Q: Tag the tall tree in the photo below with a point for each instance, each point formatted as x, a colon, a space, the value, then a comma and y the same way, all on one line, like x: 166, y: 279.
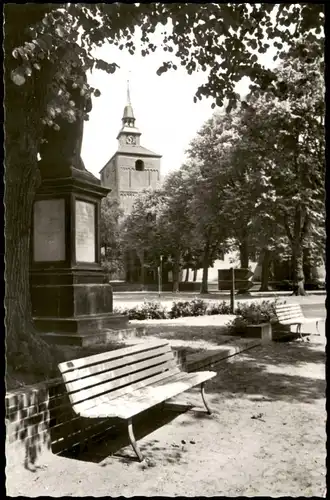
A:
x: 208, y: 227
x: 293, y: 155
x: 174, y: 222
x: 226, y: 173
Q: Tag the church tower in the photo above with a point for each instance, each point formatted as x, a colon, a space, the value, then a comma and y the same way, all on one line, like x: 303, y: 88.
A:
x: 132, y: 168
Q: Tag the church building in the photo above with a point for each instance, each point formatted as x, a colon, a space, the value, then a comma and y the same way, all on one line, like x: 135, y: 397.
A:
x: 133, y: 167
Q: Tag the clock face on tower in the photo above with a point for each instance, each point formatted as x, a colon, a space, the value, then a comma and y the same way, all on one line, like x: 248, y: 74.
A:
x: 130, y: 139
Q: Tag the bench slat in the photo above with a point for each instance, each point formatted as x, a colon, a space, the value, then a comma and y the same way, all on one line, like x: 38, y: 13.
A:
x: 292, y: 314
x: 75, y: 397
x: 293, y: 321
x: 289, y: 311
x: 83, y: 406
x: 80, y: 373
x: 105, y: 356
x: 133, y: 403
x: 118, y: 373
x: 288, y: 316
x: 288, y: 306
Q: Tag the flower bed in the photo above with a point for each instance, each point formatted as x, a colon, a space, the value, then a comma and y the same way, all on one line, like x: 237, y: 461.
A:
x: 255, y: 313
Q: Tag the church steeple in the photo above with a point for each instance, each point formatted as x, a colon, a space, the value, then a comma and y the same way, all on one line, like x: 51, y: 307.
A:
x: 128, y: 134
x: 128, y: 116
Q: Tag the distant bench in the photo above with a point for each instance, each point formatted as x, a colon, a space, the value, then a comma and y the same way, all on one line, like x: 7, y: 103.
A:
x: 125, y: 382
x: 291, y: 314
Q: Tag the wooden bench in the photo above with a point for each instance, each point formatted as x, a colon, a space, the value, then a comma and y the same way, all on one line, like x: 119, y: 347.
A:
x: 125, y: 382
x: 291, y: 314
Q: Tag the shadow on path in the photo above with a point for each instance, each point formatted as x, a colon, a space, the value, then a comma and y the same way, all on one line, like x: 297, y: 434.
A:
x: 291, y: 372
x: 114, y: 442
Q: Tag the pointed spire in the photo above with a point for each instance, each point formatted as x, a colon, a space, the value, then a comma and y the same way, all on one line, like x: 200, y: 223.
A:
x: 128, y: 94
x: 128, y: 116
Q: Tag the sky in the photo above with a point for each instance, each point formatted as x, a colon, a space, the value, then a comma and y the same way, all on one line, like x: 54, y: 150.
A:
x: 163, y: 107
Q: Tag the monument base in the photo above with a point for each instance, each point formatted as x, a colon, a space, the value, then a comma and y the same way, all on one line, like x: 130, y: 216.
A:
x: 81, y: 325
x: 71, y: 310
x: 85, y: 332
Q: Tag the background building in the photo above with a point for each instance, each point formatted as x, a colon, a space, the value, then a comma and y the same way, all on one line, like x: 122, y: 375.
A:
x: 133, y: 167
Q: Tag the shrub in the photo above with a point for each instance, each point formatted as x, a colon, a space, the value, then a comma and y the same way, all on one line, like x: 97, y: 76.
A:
x: 237, y: 325
x: 218, y: 308
x: 249, y: 314
x: 252, y: 314
x: 148, y: 310
x: 256, y: 313
x: 195, y: 307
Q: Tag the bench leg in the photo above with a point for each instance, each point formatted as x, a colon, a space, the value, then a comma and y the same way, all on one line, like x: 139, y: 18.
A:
x: 133, y: 441
x: 299, y: 331
x: 204, y: 401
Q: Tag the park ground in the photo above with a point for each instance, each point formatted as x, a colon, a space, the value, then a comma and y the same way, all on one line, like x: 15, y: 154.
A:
x: 266, y: 436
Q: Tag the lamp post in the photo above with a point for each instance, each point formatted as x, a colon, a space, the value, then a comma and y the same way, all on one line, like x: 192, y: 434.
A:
x: 160, y: 276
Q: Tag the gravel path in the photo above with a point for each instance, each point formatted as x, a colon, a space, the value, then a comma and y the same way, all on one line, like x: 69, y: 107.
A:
x: 266, y: 438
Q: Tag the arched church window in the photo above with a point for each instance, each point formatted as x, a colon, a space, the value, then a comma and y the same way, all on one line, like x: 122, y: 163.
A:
x: 139, y: 165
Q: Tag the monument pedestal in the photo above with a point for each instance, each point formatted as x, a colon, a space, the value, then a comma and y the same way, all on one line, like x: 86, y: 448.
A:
x: 70, y: 295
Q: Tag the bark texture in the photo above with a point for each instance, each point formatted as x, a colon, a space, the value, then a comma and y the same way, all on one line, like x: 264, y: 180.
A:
x: 265, y: 269
x: 176, y: 273
x: 298, y: 270
x: 244, y: 252
x: 206, y: 259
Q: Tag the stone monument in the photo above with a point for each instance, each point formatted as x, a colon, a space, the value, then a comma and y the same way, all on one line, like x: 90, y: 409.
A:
x: 71, y: 298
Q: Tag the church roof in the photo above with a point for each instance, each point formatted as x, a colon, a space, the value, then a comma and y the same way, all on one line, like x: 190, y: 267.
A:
x: 132, y: 150
x: 136, y: 150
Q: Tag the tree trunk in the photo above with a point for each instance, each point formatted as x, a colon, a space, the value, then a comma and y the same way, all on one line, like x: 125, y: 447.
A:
x: 130, y: 266
x: 176, y: 273
x: 195, y: 274
x: 308, y: 266
x: 244, y: 253
x: 298, y: 270
x: 266, y: 261
x: 187, y: 274
x: 206, y: 260
x: 25, y: 350
x: 142, y: 269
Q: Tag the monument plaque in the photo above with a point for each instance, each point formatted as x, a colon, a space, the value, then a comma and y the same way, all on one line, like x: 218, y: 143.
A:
x: 85, y: 231
x: 49, y: 230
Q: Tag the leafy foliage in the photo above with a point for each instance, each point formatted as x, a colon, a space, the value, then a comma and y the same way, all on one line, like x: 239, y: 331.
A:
x: 270, y: 186
x: 256, y: 312
x: 252, y: 314
x: 148, y: 310
x: 199, y: 37
x: 195, y: 307
x: 218, y: 308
